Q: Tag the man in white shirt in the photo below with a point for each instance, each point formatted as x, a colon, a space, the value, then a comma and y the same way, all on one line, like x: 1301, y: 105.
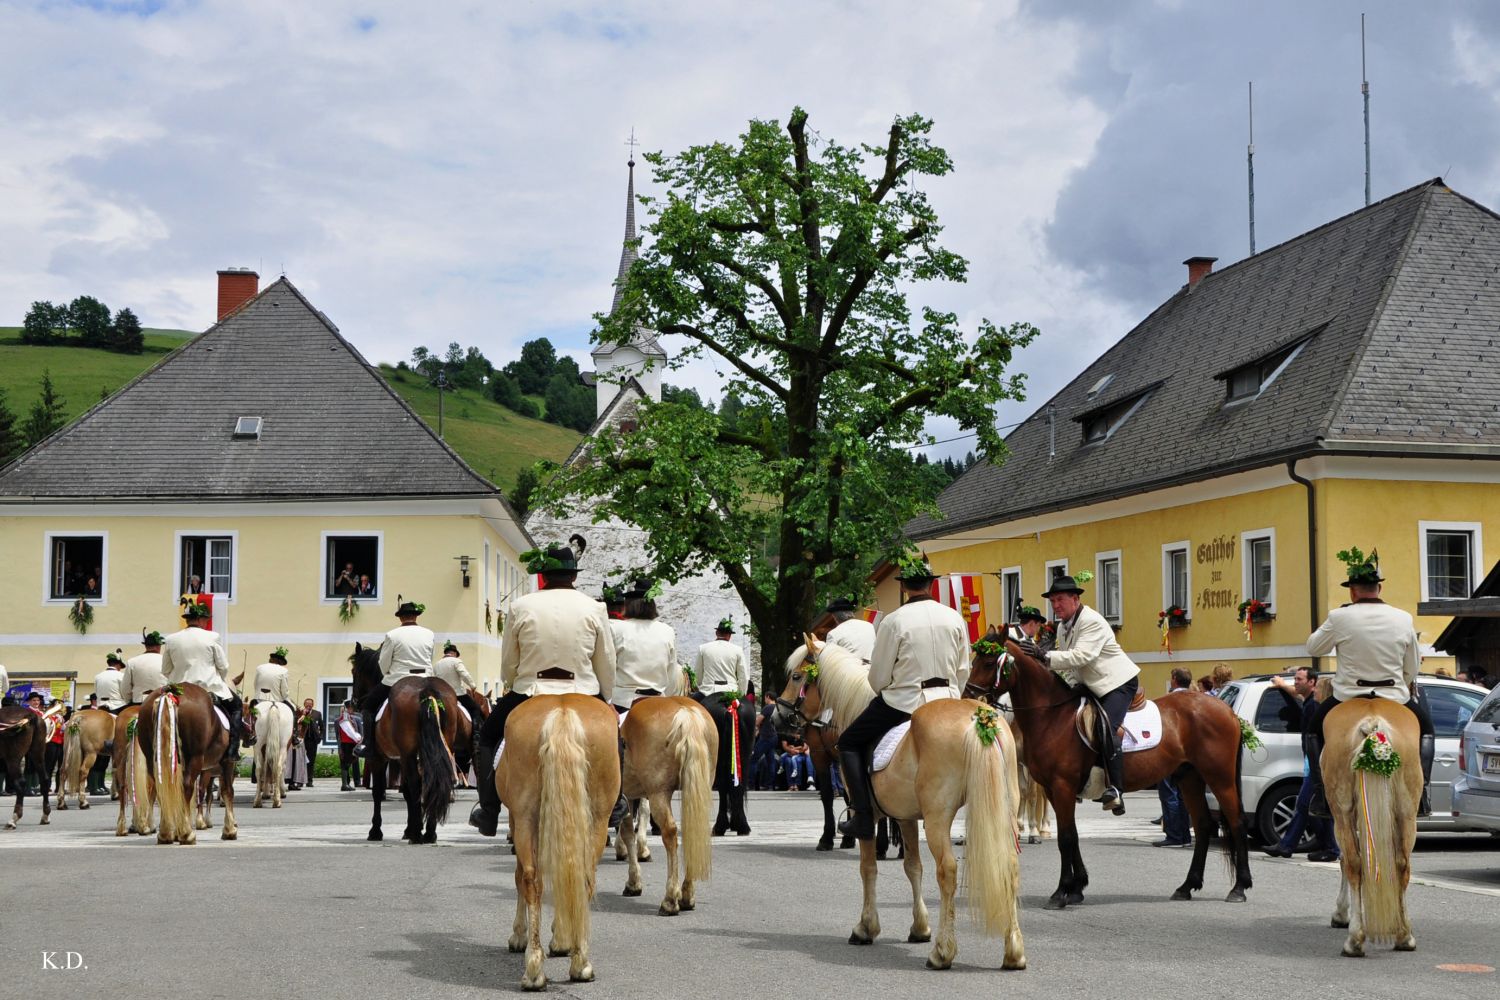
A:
x: 723, y: 681
x: 450, y: 667
x: 194, y: 656
x: 850, y: 631
x: 645, y: 650
x: 556, y: 641
x: 920, y: 655
x: 406, y: 651
x: 1378, y: 657
x: 107, y: 683
x: 143, y: 673
x: 273, y: 681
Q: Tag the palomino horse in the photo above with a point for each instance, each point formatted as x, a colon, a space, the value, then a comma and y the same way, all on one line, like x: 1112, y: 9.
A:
x: 186, y: 747
x: 1200, y: 746
x: 417, y: 728
x: 1374, y: 818
x: 273, y: 732
x: 671, y: 743
x: 23, y: 748
x: 943, y: 764
x: 559, y: 775
x: 137, y: 791
x: 85, y: 737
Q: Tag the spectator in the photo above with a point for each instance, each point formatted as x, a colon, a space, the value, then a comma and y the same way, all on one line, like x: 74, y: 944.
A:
x: 1305, y: 689
x: 366, y: 586
x: 1222, y: 675
x: 797, y: 763
x: 1175, y: 829
x: 763, y: 757
x: 311, y: 727
x: 347, y: 582
x: 349, y: 735
x: 195, y: 584
x: 1205, y: 684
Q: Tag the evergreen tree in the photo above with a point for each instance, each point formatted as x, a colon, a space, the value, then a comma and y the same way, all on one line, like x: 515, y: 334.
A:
x: 45, y: 323
x: 527, y: 481
x: 505, y: 391
x: 126, y: 337
x: 46, y: 413
x: 90, y: 318
x: 12, y: 440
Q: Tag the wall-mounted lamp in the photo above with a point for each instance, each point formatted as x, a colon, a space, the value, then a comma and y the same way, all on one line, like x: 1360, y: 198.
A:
x: 463, y: 567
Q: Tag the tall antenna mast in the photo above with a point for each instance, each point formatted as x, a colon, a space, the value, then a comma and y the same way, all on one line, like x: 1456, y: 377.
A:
x: 1364, y: 88
x: 1250, y: 167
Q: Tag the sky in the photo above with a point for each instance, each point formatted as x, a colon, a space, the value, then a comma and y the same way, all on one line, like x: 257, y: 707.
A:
x: 456, y: 171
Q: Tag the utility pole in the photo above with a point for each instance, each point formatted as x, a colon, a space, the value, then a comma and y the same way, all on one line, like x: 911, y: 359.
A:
x: 1250, y: 166
x: 1364, y: 88
x: 442, y: 387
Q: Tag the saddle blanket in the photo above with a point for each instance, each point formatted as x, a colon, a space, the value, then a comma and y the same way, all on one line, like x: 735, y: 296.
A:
x: 1142, y: 729
x: 498, y: 751
x: 886, y: 748
x: 380, y: 714
x: 223, y: 719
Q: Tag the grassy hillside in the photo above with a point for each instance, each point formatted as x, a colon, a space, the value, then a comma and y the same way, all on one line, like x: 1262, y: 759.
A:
x: 79, y: 375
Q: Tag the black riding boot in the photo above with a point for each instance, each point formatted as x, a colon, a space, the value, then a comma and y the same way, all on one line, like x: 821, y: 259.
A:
x: 856, y: 775
x: 1317, y: 802
x: 1428, y: 750
x: 485, y: 816
x: 722, y: 823
x: 737, y: 821
x: 235, y: 712
x: 367, y: 733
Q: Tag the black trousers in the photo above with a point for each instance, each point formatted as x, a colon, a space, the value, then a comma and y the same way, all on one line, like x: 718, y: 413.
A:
x: 873, y: 723
x: 723, y: 720
x: 1424, y: 717
x: 1117, y: 702
x: 311, y: 746
x: 493, y: 730
x: 348, y: 763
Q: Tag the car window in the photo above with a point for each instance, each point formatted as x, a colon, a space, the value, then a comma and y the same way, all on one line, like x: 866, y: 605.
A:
x: 1451, y: 708
x: 1490, y: 710
x: 1230, y: 695
x: 1278, y: 712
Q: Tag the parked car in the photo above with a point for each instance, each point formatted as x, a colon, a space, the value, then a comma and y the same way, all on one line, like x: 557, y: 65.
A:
x: 1476, y: 793
x: 1272, y: 777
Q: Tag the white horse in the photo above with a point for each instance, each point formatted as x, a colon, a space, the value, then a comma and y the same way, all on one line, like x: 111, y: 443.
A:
x: 273, y: 734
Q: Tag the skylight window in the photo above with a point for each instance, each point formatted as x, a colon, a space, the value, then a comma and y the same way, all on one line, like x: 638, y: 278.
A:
x: 247, y: 429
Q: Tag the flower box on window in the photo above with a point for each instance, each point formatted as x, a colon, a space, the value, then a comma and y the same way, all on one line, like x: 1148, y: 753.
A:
x: 1257, y: 611
x: 1173, y: 617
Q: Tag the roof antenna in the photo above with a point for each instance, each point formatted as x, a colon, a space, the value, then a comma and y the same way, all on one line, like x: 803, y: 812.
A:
x: 1364, y: 88
x: 1250, y: 166
x: 1051, y: 432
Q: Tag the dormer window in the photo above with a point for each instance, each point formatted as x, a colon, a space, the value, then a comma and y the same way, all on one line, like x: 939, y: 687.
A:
x: 247, y: 429
x: 1248, y: 381
x: 1102, y: 421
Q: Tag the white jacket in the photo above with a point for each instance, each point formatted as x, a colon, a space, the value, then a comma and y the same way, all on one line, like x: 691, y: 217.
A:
x: 557, y: 629
x: 856, y: 635
x: 1086, y: 646
x: 107, y: 687
x: 272, y: 683
x: 194, y: 656
x: 721, y: 666
x: 452, y: 670
x: 141, y: 676
x: 406, y: 652
x: 919, y: 641
x: 645, y: 658
x: 1375, y: 642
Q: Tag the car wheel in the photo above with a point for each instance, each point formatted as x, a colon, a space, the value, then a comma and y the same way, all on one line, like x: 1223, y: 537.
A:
x: 1274, y: 815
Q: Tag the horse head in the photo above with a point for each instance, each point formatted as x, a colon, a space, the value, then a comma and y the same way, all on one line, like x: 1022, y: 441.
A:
x: 990, y: 667
x: 801, y: 701
x: 365, y: 661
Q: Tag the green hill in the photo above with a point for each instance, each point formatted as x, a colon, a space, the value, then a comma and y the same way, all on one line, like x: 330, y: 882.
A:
x: 494, y: 441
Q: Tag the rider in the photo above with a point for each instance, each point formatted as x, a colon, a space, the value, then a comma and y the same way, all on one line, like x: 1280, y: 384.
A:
x: 722, y: 670
x: 107, y: 683
x: 142, y: 673
x: 920, y: 655
x: 613, y: 596
x: 194, y: 656
x: 405, y: 652
x: 851, y: 632
x: 451, y: 669
x: 1378, y: 658
x: 1086, y: 648
x: 645, y: 649
x: 556, y: 641
x: 273, y: 681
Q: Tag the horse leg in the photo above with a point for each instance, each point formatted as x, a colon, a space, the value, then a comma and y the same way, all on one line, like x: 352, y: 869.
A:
x: 127, y: 791
x: 921, y: 929
x: 642, y: 809
x: 1072, y: 878
x: 825, y: 795
x: 1340, y: 917
x: 529, y: 890
x: 377, y: 795
x: 85, y: 777
x: 17, y: 778
x: 868, y: 927
x: 1190, y: 789
x: 411, y: 791
x: 188, y: 834
x: 626, y: 835
x: 940, y: 842
x: 231, y: 829
x: 1405, y: 940
x: 679, y: 894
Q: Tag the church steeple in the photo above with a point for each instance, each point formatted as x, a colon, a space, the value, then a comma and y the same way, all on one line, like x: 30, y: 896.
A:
x: 641, y: 357
x: 628, y: 252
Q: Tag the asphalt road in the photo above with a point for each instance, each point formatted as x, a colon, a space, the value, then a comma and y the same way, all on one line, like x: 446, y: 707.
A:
x: 301, y: 906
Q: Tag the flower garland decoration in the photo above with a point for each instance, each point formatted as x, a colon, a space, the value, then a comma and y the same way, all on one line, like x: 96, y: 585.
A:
x: 130, y: 730
x: 1164, y: 622
x: 1247, y: 611
x: 988, y: 647
x: 74, y: 727
x: 1083, y: 576
x: 811, y: 671
x: 692, y: 677
x: 987, y: 724
x: 487, y: 624
x: 538, y: 561
x: 728, y: 697
x: 1248, y: 738
x: 81, y: 614
x: 1377, y: 755
x: 348, y: 609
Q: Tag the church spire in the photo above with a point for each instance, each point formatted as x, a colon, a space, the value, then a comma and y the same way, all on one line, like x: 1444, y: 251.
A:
x: 628, y: 253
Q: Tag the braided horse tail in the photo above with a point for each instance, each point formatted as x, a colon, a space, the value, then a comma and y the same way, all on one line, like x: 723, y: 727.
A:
x: 438, y: 777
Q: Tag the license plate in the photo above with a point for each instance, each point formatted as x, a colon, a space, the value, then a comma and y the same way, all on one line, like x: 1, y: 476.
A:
x: 1492, y: 763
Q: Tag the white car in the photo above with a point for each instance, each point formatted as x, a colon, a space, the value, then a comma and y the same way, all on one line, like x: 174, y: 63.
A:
x: 1272, y: 777
x: 1476, y: 793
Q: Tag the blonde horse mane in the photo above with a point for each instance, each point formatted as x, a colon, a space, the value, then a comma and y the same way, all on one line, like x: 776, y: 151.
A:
x: 843, y: 680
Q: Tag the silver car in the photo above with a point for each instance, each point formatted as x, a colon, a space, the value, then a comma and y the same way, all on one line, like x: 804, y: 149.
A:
x: 1272, y: 776
x: 1476, y: 793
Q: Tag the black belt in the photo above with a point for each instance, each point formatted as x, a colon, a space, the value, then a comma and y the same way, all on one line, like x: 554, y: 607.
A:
x: 1387, y: 683
x: 555, y: 674
x: 936, y: 682
x: 647, y: 691
x: 417, y: 670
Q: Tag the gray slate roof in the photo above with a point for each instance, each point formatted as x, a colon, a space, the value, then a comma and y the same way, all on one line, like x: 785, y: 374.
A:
x: 1407, y: 295
x: 332, y: 426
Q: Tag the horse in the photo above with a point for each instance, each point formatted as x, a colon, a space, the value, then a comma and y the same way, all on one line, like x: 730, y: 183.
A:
x: 559, y: 775
x: 185, y: 746
x: 1374, y: 818
x: 468, y: 729
x: 23, y: 745
x: 1200, y: 748
x: 418, y: 727
x: 137, y: 792
x: 944, y: 763
x: 274, y: 734
x: 85, y: 736
x: 1034, y: 809
x: 671, y: 743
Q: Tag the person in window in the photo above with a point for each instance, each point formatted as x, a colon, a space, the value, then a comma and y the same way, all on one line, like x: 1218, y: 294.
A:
x: 91, y: 586
x: 366, y: 586
x: 195, y: 584
x: 347, y: 581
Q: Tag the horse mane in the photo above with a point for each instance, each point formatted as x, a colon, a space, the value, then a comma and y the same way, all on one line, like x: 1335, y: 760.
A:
x: 843, y: 683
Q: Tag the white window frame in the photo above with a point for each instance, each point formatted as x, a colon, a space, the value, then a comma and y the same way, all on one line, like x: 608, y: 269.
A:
x: 1007, y: 608
x: 1047, y: 583
x: 1476, y: 535
x: 380, y: 585
x: 180, y: 585
x: 1246, y: 537
x: 484, y: 571
x: 1100, y: 558
x: 47, y: 598
x: 1186, y: 548
x: 320, y: 702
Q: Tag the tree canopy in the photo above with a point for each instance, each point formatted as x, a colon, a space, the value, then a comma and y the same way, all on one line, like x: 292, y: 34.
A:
x: 784, y: 260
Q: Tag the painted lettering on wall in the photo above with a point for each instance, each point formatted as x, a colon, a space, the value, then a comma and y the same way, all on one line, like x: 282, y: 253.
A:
x: 1221, y: 549
x: 1210, y: 598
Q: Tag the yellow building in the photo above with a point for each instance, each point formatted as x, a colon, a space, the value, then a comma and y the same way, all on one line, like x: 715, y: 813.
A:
x: 256, y: 463
x: 1337, y: 390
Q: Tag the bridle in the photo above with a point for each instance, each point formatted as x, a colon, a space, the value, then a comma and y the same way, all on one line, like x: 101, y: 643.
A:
x: 794, y: 708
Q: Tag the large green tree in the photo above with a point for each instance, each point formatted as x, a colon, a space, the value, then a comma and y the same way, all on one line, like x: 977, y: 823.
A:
x: 12, y: 440
x: 784, y: 260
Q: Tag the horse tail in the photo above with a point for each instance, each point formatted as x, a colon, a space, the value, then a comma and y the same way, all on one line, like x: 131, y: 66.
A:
x: 688, y: 740
x: 72, y: 757
x: 1376, y: 828
x: 437, y: 760
x: 565, y: 827
x: 992, y: 866
x: 176, y: 815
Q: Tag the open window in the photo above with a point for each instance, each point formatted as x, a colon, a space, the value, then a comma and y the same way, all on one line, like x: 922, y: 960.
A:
x: 76, y: 566
x: 205, y: 564
x: 352, y: 566
x: 1176, y: 576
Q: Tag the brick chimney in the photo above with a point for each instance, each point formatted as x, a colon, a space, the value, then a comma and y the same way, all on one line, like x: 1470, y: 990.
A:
x: 1197, y: 267
x: 237, y: 285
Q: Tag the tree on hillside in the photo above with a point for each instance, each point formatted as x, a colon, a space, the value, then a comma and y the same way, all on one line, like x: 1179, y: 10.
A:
x: 90, y: 318
x: 127, y: 336
x: 783, y: 262
x: 12, y: 438
x: 537, y: 364
x: 45, y: 323
x: 46, y: 413
x: 688, y: 397
x: 527, y: 481
x: 507, y: 392
x: 570, y: 403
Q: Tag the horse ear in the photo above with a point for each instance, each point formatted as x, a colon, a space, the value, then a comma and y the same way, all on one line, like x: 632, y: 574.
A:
x: 358, y: 649
x: 809, y: 638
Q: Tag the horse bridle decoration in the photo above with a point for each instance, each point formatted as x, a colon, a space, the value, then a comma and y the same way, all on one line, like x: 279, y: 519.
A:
x: 794, y: 708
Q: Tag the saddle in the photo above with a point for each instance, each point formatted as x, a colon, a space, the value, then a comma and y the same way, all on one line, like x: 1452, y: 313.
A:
x: 1140, y: 731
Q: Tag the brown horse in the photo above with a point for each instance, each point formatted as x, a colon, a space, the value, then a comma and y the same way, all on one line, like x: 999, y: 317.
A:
x: 85, y: 737
x: 419, y: 728
x: 942, y: 765
x: 1374, y: 819
x: 23, y: 749
x: 559, y: 775
x: 185, y: 746
x: 132, y: 780
x: 463, y: 745
x: 1200, y: 747
x: 671, y: 744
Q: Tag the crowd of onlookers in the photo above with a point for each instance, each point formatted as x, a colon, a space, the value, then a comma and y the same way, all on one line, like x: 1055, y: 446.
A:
x: 782, y: 763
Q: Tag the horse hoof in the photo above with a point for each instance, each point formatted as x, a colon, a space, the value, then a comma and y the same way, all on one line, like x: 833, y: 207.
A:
x: 1055, y: 903
x: 256, y: 804
x: 667, y: 911
x: 918, y: 938
x: 586, y: 975
x: 84, y: 804
x: 856, y: 939
x: 687, y: 905
x: 825, y: 845
x: 376, y: 835
x: 934, y: 965
x: 1349, y: 952
x: 644, y: 859
x: 533, y: 987
x: 555, y: 952
x: 1235, y: 896
x: 226, y: 835
x: 515, y: 947
x: 1033, y: 839
x: 1342, y: 925
x: 631, y: 892
x: 1074, y: 898
x: 1182, y: 895
x: 1410, y: 944
x: 847, y: 843
x: 1015, y: 966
